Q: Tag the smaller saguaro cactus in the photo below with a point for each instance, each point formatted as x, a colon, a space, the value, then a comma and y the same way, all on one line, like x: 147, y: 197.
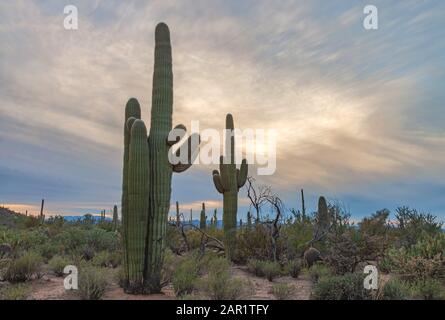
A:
x: 178, y: 216
x: 323, y: 218
x: 240, y: 223
x: 203, y: 217
x: 249, y: 219
x: 215, y: 218
x: 115, y: 218
x: 191, y: 215
x: 42, y: 216
x: 303, y: 208
x: 228, y: 180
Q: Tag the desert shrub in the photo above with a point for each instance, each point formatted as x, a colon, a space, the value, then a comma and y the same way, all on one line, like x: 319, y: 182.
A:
x: 297, y: 233
x: 319, y: 271
x: 92, y: 282
x: 267, y: 269
x: 271, y: 270
x: 106, y: 259
x: 395, y: 289
x: 412, y: 224
x: 17, y: 291
x: 49, y: 250
x: 169, y: 266
x: 219, y: 285
x: 256, y: 243
x: 294, y: 268
x: 420, y: 261
x: 282, y: 291
x: 185, y: 276
x: 343, y: 253
x: 345, y: 287
x: 428, y: 289
x: 23, y: 268
x: 57, y: 264
x: 174, y: 239
x: 31, y: 222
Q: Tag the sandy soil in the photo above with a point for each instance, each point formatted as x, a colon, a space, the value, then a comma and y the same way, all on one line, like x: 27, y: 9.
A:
x: 51, y: 288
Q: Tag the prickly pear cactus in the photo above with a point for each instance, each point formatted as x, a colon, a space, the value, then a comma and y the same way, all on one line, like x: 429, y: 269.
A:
x: 228, y: 180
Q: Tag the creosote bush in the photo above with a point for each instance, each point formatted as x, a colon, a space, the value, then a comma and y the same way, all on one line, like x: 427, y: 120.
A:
x: 294, y: 268
x: 319, y: 271
x: 283, y: 291
x: 345, y: 287
x: 267, y: 269
x: 92, y: 282
x: 57, y: 264
x: 23, y: 268
x: 395, y: 289
x: 185, y: 276
x: 219, y: 285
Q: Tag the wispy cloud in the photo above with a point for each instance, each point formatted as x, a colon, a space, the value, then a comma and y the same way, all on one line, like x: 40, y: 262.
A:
x: 358, y: 113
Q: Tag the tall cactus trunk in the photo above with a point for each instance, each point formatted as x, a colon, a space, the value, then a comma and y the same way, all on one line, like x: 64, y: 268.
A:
x: 132, y: 110
x: 160, y: 167
x: 138, y: 188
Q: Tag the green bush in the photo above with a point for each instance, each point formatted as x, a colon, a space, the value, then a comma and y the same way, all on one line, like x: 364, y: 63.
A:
x: 106, y: 259
x: 345, y: 287
x: 319, y: 271
x: 17, y: 291
x: 428, y: 289
x: 24, y: 267
x: 395, y: 289
x: 185, y: 276
x: 283, y: 291
x: 92, y: 283
x: 220, y: 286
x: 57, y: 264
x: 267, y: 269
x: 294, y: 268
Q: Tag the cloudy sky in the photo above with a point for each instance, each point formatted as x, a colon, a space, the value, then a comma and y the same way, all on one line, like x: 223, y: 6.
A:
x: 359, y: 113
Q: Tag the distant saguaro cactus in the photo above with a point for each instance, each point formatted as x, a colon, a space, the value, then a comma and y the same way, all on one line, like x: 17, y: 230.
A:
x: 203, y: 217
x: 323, y: 218
x: 115, y: 218
x: 147, y: 173
x: 178, y: 216
x: 249, y: 219
x: 228, y: 181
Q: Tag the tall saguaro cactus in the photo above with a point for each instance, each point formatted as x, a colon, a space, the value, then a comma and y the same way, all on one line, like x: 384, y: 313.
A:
x: 228, y: 180
x: 146, y: 187
x: 323, y: 218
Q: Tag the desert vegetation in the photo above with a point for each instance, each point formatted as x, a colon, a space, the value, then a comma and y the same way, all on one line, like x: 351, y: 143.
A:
x: 278, y: 253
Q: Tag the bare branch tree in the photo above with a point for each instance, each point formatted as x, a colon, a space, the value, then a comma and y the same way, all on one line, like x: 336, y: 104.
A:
x: 257, y: 195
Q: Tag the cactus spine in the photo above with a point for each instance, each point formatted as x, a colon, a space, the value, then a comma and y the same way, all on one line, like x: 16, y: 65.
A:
x: 228, y: 181
x: 147, y: 184
x: 203, y: 217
